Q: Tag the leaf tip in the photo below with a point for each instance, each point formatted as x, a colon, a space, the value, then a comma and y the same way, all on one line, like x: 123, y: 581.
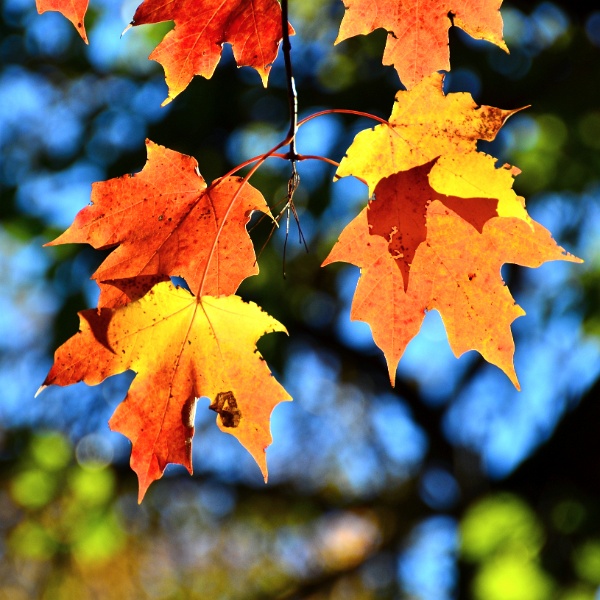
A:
x: 392, y: 372
x: 514, y: 380
x: 512, y: 375
x: 144, y: 482
x: 141, y: 493
x: 261, y: 461
x: 40, y: 390
x: 572, y: 258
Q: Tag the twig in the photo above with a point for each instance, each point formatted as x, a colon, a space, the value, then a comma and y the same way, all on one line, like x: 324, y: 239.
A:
x: 291, y: 85
x: 343, y: 111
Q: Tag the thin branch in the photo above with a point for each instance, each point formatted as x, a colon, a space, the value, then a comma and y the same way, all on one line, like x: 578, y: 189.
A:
x: 261, y: 157
x: 329, y: 161
x: 253, y: 170
x: 343, y: 111
x: 291, y: 84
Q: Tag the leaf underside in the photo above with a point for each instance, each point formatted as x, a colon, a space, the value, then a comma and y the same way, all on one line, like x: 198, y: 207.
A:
x: 181, y: 348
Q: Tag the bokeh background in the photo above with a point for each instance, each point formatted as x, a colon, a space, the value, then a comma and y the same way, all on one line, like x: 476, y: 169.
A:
x: 452, y: 485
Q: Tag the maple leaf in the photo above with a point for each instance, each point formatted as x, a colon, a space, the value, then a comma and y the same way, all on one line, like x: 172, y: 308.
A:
x: 167, y: 222
x: 426, y: 124
x: 252, y: 27
x: 417, y: 43
x: 74, y: 10
x: 419, y: 251
x: 181, y: 347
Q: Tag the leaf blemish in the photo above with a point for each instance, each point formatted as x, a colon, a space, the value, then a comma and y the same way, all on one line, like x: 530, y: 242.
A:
x: 225, y: 405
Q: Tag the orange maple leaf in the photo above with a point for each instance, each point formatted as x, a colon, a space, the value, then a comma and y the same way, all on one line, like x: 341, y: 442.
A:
x: 417, y: 43
x: 167, y: 222
x: 181, y: 347
x: 252, y: 27
x: 420, y: 251
x: 74, y: 10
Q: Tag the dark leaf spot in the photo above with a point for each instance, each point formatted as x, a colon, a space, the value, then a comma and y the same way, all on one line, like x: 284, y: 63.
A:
x: 226, y: 406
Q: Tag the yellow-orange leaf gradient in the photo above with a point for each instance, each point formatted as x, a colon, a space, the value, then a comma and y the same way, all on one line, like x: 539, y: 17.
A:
x: 181, y: 348
x: 426, y: 124
x: 420, y: 251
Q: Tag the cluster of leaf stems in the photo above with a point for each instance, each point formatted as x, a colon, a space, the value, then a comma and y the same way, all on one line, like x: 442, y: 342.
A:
x: 290, y: 140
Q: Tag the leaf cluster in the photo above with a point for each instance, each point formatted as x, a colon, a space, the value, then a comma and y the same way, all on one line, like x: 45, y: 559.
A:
x: 441, y: 220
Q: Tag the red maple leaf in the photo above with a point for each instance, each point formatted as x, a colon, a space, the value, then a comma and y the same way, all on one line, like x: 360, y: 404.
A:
x: 252, y: 27
x: 165, y: 221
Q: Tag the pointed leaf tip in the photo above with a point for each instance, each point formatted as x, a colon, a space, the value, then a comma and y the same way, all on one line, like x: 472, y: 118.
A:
x: 73, y: 10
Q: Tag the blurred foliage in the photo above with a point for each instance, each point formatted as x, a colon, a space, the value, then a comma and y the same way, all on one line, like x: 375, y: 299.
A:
x: 449, y: 486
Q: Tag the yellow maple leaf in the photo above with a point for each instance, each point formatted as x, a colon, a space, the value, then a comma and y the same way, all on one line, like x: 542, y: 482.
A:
x: 426, y: 124
x: 181, y: 348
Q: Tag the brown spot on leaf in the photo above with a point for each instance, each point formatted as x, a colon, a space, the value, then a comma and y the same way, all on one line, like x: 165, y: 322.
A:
x: 226, y: 406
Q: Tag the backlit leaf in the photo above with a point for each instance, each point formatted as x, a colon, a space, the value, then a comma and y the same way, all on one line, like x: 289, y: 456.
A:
x: 426, y: 124
x: 166, y: 221
x: 420, y: 251
x: 194, y: 47
x: 181, y: 348
x: 417, y: 43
